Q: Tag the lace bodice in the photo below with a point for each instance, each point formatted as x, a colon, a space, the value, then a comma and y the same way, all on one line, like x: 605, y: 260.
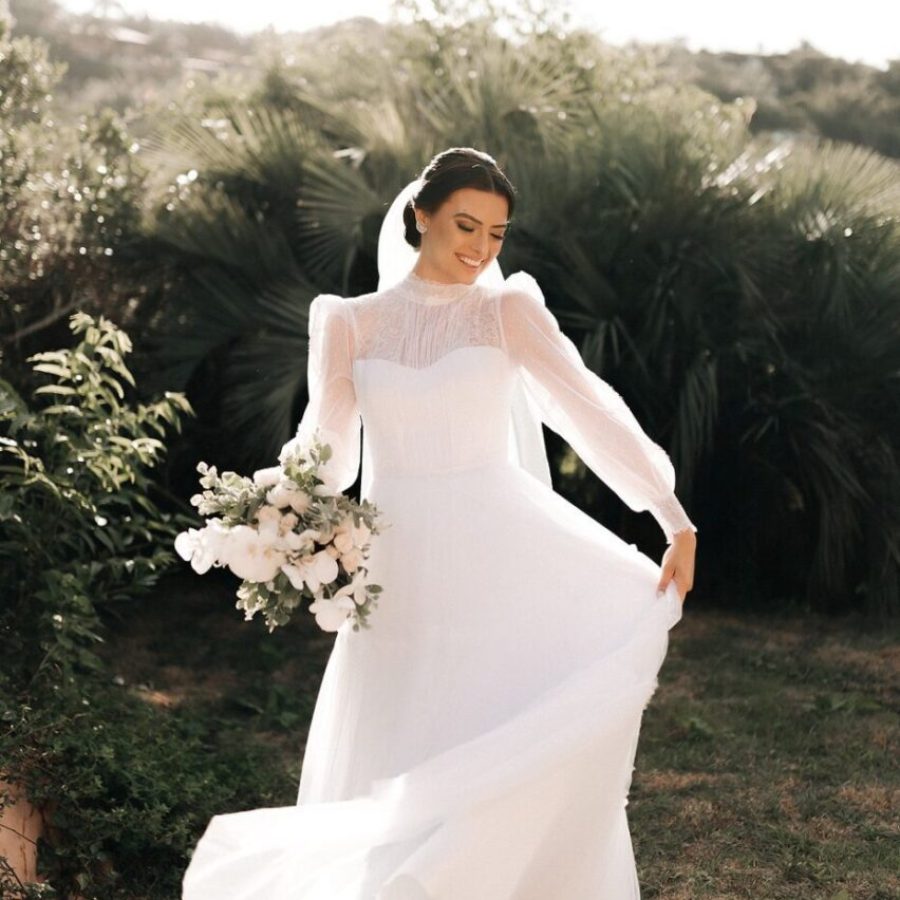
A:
x: 416, y: 321
x: 458, y: 418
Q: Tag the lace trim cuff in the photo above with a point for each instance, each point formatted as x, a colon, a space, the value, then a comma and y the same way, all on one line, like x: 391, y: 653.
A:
x: 672, y: 517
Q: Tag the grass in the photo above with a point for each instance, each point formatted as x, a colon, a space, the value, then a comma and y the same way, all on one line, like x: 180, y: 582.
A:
x: 767, y: 764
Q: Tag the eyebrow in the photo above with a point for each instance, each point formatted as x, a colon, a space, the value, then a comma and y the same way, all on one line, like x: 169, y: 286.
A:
x: 500, y: 225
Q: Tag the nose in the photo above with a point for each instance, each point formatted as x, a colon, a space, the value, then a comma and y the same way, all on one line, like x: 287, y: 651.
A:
x: 483, y: 247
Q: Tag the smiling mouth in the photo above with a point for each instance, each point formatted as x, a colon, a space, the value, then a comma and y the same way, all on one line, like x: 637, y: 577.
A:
x: 471, y: 263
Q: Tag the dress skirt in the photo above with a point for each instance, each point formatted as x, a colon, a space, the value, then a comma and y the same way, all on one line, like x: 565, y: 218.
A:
x: 478, y: 741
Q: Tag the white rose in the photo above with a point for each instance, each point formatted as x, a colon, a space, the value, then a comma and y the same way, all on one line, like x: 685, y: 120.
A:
x: 269, y: 519
x: 352, y: 560
x: 343, y: 537
x: 300, y: 501
x: 288, y: 523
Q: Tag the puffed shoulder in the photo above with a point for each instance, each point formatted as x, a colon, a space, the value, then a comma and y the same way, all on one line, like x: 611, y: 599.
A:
x: 522, y: 303
x: 521, y: 295
x: 325, y: 307
x: 326, y: 303
x: 523, y: 283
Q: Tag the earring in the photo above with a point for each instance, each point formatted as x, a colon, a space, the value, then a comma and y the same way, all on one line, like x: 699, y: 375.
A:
x: 420, y: 227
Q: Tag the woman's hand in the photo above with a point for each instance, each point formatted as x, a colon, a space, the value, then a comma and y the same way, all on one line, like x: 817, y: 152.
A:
x: 678, y: 563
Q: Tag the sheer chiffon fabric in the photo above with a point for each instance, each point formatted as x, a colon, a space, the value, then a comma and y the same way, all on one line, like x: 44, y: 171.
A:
x: 478, y: 741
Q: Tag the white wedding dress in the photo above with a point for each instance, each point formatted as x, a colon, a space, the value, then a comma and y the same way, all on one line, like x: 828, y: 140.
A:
x: 477, y: 742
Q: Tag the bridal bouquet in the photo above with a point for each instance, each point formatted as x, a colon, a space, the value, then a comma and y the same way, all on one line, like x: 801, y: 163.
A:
x: 290, y: 536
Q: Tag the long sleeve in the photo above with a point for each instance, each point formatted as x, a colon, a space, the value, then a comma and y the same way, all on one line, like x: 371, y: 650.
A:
x: 588, y: 413
x: 332, y: 409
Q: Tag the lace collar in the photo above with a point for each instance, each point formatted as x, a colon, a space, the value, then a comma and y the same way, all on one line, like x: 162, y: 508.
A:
x: 422, y: 290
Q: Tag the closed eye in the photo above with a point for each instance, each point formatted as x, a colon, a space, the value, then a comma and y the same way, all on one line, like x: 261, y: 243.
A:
x: 496, y: 237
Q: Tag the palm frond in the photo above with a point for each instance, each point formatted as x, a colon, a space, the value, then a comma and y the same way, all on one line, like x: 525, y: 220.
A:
x: 695, y: 417
x: 218, y: 228
x: 336, y: 200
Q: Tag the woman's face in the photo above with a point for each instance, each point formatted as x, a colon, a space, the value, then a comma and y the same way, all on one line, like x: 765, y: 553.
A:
x: 464, y: 235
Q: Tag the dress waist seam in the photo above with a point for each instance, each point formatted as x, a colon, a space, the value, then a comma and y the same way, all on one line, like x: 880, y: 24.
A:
x: 385, y: 474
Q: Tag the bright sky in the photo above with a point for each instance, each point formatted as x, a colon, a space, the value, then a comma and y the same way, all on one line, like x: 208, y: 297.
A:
x: 863, y: 30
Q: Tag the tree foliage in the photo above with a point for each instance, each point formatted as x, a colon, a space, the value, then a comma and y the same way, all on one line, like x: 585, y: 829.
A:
x: 71, y: 203
x: 739, y: 288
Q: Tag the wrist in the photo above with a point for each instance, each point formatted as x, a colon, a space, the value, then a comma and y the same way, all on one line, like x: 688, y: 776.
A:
x: 685, y: 535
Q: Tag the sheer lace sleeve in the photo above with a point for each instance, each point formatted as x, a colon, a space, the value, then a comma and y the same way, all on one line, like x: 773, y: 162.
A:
x: 332, y: 409
x: 588, y: 413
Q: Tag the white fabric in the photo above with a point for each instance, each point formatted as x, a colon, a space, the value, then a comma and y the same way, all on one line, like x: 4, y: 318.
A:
x: 477, y: 741
x: 396, y: 259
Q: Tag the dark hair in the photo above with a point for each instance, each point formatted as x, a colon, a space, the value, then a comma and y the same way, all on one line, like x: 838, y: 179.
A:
x: 450, y: 170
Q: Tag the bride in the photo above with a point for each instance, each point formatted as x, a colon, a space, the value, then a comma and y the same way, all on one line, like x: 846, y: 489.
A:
x: 477, y: 742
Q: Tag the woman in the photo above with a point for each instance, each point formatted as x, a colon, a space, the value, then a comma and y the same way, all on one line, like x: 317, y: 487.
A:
x: 477, y: 742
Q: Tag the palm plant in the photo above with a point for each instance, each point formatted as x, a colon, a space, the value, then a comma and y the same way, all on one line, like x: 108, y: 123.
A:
x: 250, y: 255
x: 739, y: 294
x: 821, y: 382
x: 267, y: 211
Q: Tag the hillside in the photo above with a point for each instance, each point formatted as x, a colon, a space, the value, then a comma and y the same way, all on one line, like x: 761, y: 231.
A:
x: 125, y: 61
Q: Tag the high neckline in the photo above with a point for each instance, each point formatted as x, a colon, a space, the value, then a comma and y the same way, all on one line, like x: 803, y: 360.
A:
x: 423, y: 290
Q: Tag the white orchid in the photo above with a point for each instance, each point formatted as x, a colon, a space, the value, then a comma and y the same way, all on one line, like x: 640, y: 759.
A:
x: 252, y: 556
x: 300, y: 542
x: 355, y: 590
x: 331, y: 613
x: 202, y: 547
x: 321, y: 568
x: 314, y: 570
x: 295, y: 575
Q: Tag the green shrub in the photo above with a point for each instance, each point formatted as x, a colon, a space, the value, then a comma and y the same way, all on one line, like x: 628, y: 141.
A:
x: 78, y: 526
x: 128, y: 787
x: 81, y: 533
